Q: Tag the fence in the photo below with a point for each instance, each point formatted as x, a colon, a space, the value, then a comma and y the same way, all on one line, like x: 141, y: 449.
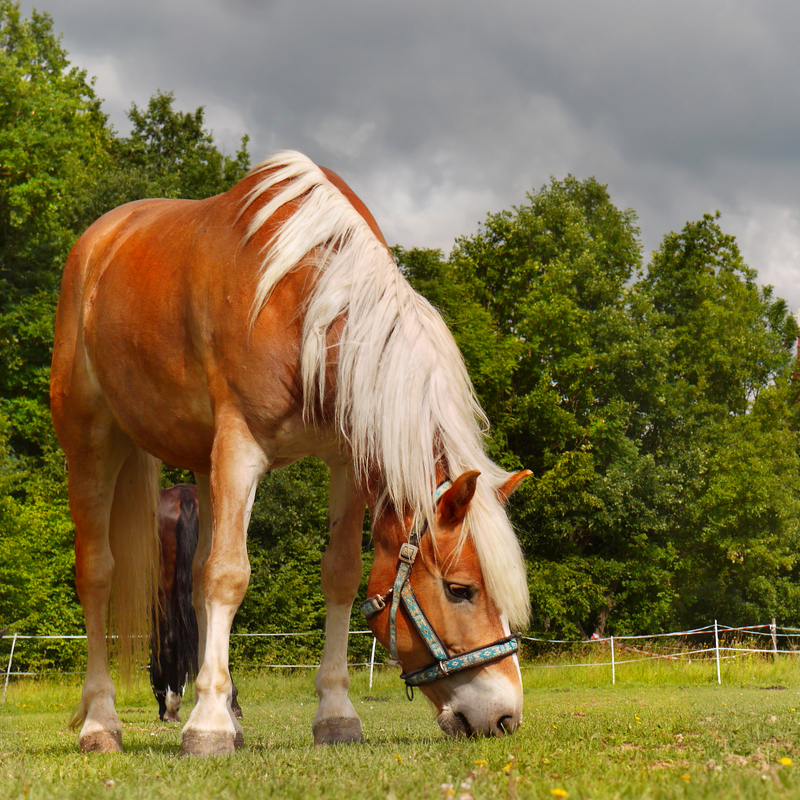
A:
x: 616, y: 645
x: 721, y: 652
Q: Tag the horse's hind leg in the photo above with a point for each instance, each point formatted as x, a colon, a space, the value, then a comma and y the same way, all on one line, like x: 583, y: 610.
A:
x: 92, y: 478
x: 336, y: 720
x: 113, y: 519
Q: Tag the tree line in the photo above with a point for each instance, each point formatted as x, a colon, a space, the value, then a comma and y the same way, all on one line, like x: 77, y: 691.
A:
x: 656, y: 402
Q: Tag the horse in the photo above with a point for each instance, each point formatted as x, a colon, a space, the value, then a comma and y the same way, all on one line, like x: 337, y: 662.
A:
x: 173, y: 642
x: 235, y: 335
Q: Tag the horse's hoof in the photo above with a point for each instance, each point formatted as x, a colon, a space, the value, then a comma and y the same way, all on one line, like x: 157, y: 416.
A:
x: 102, y: 742
x: 205, y: 744
x: 338, y: 729
x: 238, y: 740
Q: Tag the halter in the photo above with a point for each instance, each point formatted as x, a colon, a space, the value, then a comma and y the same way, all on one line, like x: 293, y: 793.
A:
x: 445, y: 664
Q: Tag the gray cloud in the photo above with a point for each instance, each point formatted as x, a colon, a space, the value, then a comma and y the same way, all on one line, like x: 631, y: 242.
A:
x: 437, y: 113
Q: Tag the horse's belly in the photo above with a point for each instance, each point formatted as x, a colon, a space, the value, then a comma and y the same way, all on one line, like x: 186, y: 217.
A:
x: 166, y: 421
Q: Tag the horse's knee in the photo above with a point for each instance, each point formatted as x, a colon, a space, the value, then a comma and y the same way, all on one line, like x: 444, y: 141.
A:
x: 93, y: 579
x: 226, y: 583
x: 340, y: 576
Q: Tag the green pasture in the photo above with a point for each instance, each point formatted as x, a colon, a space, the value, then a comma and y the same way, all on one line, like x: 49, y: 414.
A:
x: 665, y: 730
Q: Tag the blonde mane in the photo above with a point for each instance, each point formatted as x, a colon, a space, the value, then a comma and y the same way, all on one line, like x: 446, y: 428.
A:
x: 403, y: 397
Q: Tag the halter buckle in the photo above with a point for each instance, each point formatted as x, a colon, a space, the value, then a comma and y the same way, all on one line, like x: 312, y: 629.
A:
x: 408, y: 552
x: 373, y: 605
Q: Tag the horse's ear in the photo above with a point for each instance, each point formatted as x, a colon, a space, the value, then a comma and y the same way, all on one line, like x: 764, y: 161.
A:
x: 454, y: 502
x: 512, y: 484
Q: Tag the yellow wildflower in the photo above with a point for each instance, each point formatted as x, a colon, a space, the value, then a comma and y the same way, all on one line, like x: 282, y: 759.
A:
x: 787, y: 762
x: 559, y: 793
x: 685, y: 777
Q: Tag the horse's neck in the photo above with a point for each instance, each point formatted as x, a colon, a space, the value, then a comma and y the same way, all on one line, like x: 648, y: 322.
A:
x: 389, y: 528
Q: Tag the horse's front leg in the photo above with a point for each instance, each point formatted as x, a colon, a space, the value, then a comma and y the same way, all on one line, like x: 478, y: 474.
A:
x: 336, y: 719
x: 237, y: 465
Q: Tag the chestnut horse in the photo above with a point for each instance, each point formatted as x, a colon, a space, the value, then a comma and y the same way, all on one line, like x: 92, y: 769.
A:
x: 173, y: 643
x: 235, y: 335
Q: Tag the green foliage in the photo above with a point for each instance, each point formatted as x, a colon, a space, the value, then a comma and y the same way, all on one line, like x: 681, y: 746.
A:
x: 554, y: 276
x: 176, y: 151
x: 490, y: 354
x: 168, y: 154
x: 52, y: 134
x: 37, y: 571
x: 632, y: 403
x: 729, y: 339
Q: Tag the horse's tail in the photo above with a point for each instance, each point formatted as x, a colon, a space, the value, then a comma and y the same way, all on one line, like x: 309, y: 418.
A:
x: 187, y: 529
x: 133, y: 536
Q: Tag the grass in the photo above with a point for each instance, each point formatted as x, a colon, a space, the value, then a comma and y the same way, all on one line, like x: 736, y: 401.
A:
x: 665, y: 730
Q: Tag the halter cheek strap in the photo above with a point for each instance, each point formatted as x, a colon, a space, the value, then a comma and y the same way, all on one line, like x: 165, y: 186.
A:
x: 444, y: 664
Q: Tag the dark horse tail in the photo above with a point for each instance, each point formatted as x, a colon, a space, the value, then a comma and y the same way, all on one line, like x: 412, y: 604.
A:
x: 174, y: 641
x: 187, y: 528
x: 174, y: 644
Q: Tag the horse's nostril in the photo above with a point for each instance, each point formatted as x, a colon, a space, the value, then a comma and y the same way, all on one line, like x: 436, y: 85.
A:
x: 505, y: 725
x: 463, y: 724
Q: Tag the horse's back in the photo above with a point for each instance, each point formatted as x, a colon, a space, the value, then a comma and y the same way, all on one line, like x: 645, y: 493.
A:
x: 156, y: 313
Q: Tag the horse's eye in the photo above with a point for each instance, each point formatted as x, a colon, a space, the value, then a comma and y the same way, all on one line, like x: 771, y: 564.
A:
x: 458, y: 593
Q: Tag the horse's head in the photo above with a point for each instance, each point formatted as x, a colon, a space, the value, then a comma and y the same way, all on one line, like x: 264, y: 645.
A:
x: 430, y: 606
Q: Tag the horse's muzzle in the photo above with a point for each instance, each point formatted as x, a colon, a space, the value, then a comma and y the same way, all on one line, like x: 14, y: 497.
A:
x: 458, y: 724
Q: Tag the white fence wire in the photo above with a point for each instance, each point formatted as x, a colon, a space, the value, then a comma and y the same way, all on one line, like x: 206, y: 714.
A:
x: 616, y: 645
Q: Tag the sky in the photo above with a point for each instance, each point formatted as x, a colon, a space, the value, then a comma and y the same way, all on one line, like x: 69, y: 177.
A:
x: 438, y: 112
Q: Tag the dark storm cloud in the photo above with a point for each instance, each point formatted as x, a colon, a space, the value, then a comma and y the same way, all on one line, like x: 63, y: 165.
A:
x: 439, y: 112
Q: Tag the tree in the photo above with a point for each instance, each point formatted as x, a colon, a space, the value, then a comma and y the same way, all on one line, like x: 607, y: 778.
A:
x: 723, y: 422
x: 490, y: 354
x: 37, y: 571
x: 52, y: 135
x: 168, y: 154
x: 287, y: 535
x: 730, y: 339
x: 650, y: 406
x: 554, y: 277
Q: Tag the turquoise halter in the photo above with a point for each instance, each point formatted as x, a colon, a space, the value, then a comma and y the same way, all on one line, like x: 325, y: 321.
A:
x: 444, y: 664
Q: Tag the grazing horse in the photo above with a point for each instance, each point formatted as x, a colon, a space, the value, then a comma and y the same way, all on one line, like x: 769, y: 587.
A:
x: 235, y: 335
x: 173, y: 644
